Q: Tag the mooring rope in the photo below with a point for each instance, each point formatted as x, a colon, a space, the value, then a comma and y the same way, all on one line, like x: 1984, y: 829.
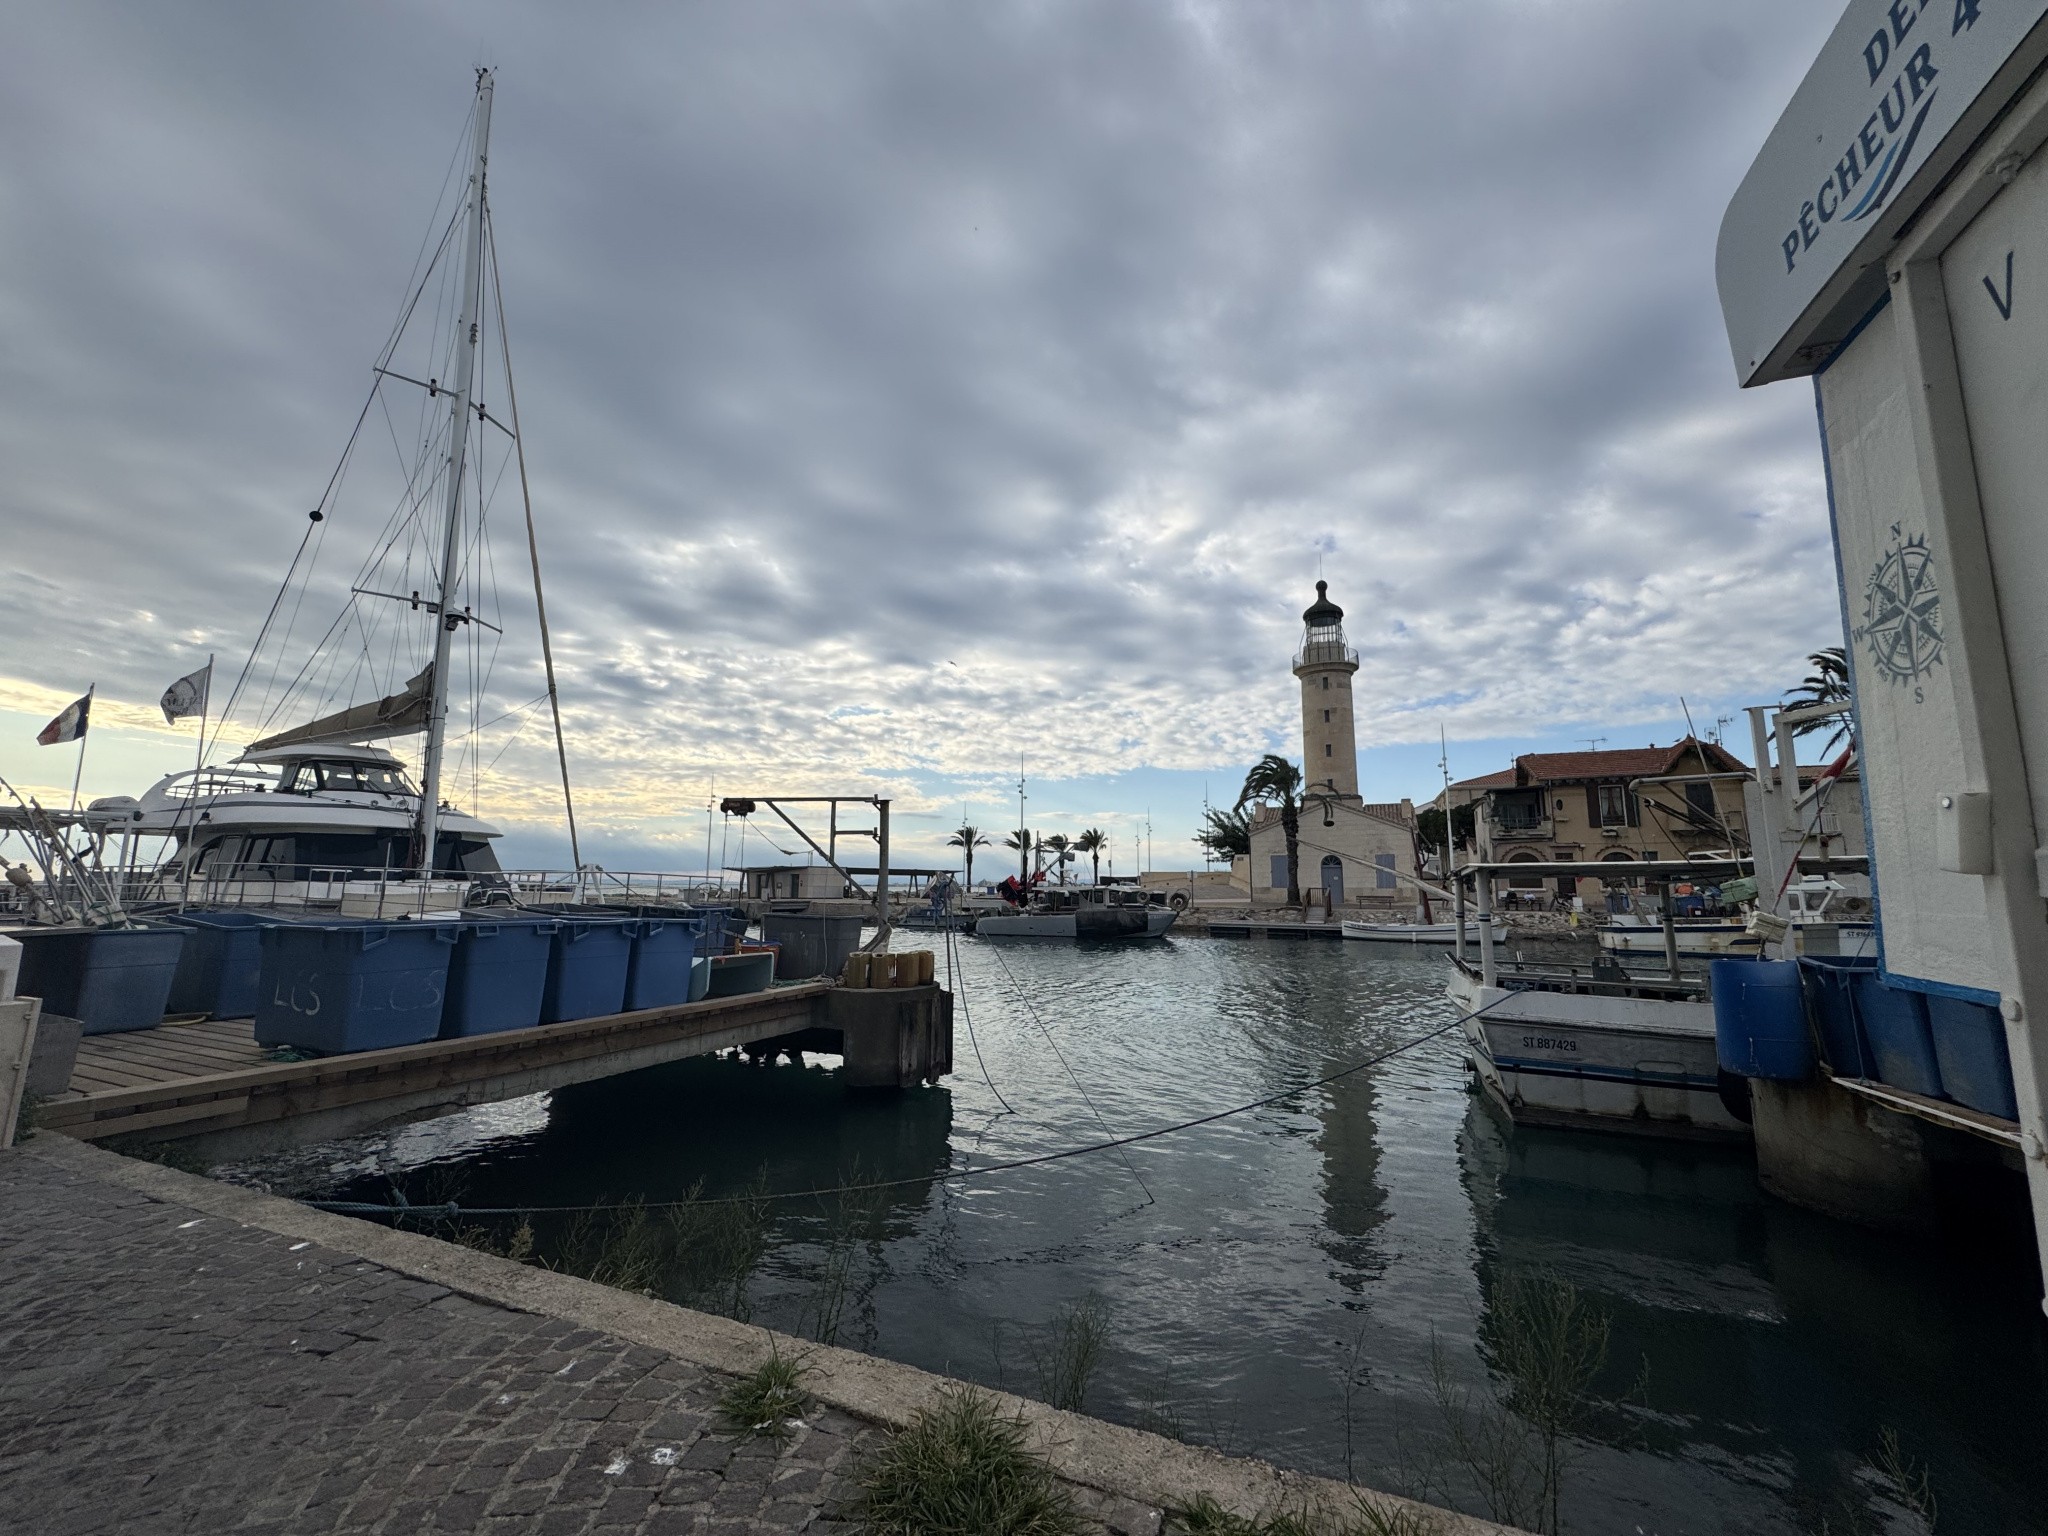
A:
x: 959, y: 990
x: 451, y: 1210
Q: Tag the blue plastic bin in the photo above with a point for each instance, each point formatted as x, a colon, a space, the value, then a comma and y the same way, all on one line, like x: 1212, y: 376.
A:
x: 586, y: 970
x: 336, y: 988
x: 1829, y: 984
x: 497, y: 976
x: 111, y: 979
x: 664, y: 951
x: 1895, y: 1024
x: 1970, y: 1048
x: 721, y: 924
x: 222, y: 962
x: 1760, y: 1020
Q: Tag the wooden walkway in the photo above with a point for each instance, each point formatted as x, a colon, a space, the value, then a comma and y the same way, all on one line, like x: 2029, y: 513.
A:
x: 212, y: 1078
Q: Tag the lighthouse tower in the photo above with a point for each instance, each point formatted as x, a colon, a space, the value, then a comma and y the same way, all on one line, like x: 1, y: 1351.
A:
x: 1329, y: 738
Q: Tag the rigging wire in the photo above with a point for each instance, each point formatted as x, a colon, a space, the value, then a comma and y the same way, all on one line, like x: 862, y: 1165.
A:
x: 1072, y: 1076
x: 960, y: 991
x: 945, y: 1176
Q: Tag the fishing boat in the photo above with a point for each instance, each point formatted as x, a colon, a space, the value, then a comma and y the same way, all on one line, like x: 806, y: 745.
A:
x: 1599, y: 1050
x: 1082, y: 912
x: 1418, y: 935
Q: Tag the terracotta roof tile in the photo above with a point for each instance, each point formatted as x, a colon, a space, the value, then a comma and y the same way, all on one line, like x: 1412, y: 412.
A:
x: 1628, y: 763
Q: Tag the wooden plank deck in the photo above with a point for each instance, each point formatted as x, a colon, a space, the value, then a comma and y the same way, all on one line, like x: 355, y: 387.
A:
x: 185, y: 1079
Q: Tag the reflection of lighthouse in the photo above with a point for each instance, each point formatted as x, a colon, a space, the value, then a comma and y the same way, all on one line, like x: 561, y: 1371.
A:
x: 1354, y: 1202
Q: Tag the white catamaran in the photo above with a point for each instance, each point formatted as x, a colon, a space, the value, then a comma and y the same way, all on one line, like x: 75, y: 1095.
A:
x: 318, y: 811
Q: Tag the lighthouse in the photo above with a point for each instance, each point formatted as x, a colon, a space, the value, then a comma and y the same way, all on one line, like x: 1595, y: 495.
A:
x: 1349, y: 855
x: 1329, y: 734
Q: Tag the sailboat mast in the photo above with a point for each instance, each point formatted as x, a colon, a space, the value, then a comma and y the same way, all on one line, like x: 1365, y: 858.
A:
x: 446, y: 617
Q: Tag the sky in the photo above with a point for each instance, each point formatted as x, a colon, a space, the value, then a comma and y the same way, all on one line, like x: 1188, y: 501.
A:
x: 916, y: 396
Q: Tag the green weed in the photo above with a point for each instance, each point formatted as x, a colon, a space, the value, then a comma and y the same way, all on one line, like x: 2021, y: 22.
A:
x: 765, y: 1400
x: 961, y: 1469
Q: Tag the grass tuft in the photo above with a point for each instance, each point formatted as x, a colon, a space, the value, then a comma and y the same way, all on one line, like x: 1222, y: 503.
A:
x: 28, y: 1117
x: 765, y: 1400
x: 961, y: 1469
x: 1205, y: 1517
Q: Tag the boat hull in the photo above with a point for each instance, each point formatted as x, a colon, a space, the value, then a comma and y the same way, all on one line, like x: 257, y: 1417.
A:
x: 1108, y: 924
x: 1717, y: 938
x: 1631, y: 1064
x: 1419, y: 935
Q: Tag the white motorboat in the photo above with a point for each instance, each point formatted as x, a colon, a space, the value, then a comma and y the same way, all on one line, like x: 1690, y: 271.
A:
x: 1421, y: 935
x: 1083, y: 912
x: 333, y: 823
x: 1814, y: 902
x: 1602, y: 1052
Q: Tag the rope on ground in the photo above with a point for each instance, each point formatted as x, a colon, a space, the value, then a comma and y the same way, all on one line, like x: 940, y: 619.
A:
x: 949, y: 1176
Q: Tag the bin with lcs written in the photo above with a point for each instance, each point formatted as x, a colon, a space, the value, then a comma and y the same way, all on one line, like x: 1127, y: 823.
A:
x: 355, y: 987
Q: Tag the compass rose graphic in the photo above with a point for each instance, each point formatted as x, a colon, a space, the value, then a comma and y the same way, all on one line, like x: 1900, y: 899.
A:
x: 1902, y: 613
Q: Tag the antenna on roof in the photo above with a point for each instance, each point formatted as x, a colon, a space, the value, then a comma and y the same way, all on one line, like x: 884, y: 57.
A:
x: 1594, y: 742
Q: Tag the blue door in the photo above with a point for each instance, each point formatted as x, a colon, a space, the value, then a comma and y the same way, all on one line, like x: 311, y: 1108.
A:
x: 1333, y: 878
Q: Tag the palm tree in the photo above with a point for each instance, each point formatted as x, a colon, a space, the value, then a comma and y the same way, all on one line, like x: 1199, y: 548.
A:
x: 1827, y: 683
x: 1062, y: 852
x: 1021, y: 841
x: 968, y: 838
x: 1276, y: 779
x: 1225, y: 834
x: 1092, y: 842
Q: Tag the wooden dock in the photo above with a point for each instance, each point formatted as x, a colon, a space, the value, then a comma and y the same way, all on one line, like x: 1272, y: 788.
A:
x: 211, y: 1081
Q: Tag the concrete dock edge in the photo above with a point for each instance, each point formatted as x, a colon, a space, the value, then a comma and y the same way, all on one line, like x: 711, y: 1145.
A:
x: 1125, y: 1464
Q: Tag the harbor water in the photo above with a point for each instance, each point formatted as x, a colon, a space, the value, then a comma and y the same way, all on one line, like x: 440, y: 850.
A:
x: 1311, y: 1282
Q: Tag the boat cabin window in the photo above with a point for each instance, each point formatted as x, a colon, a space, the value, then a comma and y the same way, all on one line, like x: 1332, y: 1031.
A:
x: 305, y: 778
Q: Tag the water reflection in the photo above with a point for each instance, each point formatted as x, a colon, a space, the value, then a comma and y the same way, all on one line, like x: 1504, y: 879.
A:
x: 1756, y: 1358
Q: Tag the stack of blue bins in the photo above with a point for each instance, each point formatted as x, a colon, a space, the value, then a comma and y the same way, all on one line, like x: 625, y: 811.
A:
x: 342, y: 987
x: 1927, y: 1043
x: 664, y: 955
x: 498, y: 975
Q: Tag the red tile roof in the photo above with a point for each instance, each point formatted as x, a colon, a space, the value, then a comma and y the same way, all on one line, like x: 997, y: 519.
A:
x: 1501, y: 780
x: 1629, y: 763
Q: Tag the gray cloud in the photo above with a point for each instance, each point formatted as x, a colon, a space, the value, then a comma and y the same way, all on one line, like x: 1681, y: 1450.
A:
x: 1051, y: 340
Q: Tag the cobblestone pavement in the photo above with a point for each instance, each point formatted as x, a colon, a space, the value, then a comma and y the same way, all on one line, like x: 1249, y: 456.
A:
x: 165, y: 1371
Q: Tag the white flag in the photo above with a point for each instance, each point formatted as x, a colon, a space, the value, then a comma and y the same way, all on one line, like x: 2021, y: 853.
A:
x: 187, y: 696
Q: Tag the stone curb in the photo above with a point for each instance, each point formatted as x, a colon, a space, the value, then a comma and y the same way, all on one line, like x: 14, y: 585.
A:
x: 1125, y: 1463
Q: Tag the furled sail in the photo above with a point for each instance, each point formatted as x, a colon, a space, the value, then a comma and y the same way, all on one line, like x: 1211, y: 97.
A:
x: 398, y: 714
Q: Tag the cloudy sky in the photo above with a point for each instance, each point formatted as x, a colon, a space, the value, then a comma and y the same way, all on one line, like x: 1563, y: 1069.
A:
x: 918, y: 392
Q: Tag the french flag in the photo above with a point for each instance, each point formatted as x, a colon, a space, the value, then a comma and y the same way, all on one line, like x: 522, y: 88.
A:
x: 69, y: 726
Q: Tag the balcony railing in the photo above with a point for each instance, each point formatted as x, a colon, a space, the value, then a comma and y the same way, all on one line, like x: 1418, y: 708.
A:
x: 1324, y: 653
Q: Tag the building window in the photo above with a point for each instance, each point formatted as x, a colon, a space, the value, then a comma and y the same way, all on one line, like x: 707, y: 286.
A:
x: 1326, y: 682
x: 1383, y: 872
x: 1701, y: 798
x: 1326, y: 717
x: 1279, y: 880
x: 1613, y: 805
x: 1328, y: 751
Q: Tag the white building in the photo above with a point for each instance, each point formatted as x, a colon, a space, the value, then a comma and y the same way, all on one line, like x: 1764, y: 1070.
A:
x: 1354, y: 852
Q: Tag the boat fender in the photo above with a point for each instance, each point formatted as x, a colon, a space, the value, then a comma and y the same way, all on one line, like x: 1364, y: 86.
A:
x: 1178, y: 901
